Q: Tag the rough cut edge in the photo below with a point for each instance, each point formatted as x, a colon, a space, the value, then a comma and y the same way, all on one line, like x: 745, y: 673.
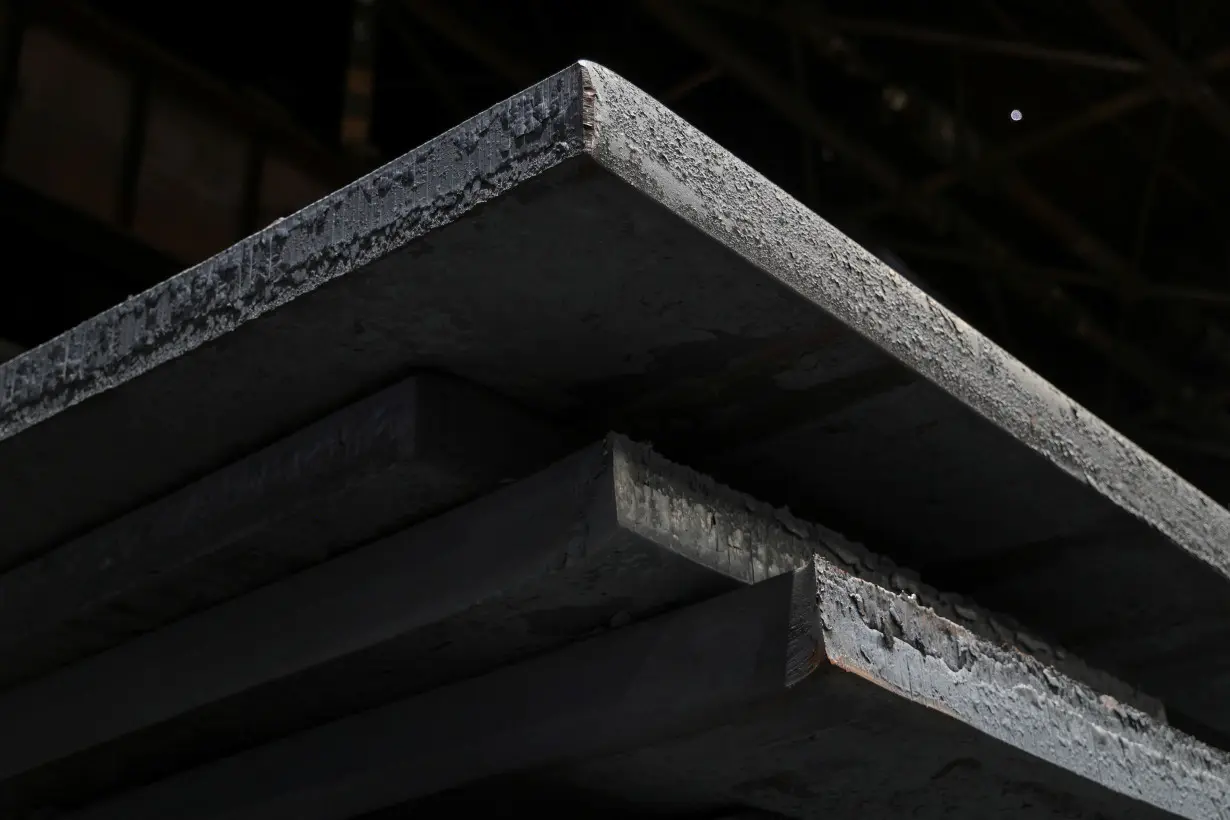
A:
x: 750, y: 541
x: 588, y: 109
x: 432, y: 185
x: 902, y: 646
x: 648, y: 146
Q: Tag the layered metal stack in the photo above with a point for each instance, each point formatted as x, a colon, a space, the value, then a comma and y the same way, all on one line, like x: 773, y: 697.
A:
x: 333, y: 525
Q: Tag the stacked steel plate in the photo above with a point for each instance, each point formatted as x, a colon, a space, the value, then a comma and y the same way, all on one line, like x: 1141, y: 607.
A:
x: 334, y: 525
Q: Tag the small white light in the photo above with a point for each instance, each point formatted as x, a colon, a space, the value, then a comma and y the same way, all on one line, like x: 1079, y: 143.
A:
x: 1016, y: 115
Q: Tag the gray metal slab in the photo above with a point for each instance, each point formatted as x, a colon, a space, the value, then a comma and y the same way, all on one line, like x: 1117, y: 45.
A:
x: 846, y: 746
x: 404, y: 454
x: 808, y: 694
x: 594, y: 696
x: 604, y: 538
x: 583, y: 250
x: 531, y: 566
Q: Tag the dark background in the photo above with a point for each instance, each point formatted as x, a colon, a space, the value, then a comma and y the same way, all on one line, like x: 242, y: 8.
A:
x: 1089, y: 237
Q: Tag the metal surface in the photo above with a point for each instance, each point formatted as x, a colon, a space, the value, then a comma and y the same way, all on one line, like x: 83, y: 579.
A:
x: 406, y: 453
x: 529, y: 567
x: 611, y: 535
x: 804, y: 694
x: 592, y: 697
x: 581, y: 249
x: 889, y: 735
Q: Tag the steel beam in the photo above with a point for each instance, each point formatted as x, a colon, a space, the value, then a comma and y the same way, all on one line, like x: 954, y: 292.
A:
x: 455, y: 29
x: 892, y: 30
x: 1061, y: 224
x: 938, y: 214
x: 1172, y: 72
x: 360, y: 76
x: 14, y: 16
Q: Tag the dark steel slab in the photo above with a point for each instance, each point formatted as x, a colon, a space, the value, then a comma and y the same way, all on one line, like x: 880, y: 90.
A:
x: 593, y: 696
x: 583, y: 250
x: 610, y: 535
x: 847, y: 745
x: 404, y: 454
x: 809, y: 693
x: 604, y: 538
x: 531, y: 566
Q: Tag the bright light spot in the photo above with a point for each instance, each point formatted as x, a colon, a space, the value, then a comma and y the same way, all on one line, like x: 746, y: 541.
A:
x: 1016, y: 115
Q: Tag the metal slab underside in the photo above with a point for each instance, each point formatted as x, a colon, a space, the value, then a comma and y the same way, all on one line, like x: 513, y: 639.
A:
x: 887, y: 736
x: 402, y: 455
x: 810, y: 693
x: 582, y: 250
x: 845, y: 748
x: 611, y: 535
x: 527, y: 568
